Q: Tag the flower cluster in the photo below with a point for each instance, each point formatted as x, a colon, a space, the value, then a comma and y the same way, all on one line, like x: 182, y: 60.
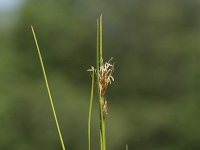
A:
x: 105, y: 78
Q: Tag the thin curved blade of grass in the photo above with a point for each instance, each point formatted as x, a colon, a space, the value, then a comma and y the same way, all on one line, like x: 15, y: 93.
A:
x: 48, y: 89
x: 90, y: 108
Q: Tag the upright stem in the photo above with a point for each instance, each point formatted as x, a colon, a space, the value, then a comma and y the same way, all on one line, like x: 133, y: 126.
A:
x: 99, y: 64
x: 98, y: 86
x: 100, y: 40
x: 90, y: 109
x: 48, y: 89
x: 126, y: 146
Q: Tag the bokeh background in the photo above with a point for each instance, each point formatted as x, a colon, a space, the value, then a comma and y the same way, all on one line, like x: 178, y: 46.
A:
x: 153, y: 103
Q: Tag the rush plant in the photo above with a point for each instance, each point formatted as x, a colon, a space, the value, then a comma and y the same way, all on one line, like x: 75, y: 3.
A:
x: 103, y: 72
x: 104, y: 78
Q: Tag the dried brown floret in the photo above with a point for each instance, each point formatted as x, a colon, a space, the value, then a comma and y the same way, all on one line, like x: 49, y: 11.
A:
x: 105, y: 107
x: 105, y: 76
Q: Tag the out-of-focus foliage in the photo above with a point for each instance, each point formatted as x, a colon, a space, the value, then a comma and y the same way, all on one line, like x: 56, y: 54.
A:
x: 154, y: 101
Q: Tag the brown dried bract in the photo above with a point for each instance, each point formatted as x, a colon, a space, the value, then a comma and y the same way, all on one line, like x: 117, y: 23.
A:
x: 105, y: 76
x: 105, y: 107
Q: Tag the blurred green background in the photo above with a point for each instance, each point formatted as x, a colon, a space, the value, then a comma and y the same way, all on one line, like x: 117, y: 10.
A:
x: 154, y: 101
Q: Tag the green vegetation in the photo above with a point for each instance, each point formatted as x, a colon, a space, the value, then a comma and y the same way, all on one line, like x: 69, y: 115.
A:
x: 154, y: 101
x: 103, y: 72
x: 90, y: 109
x: 48, y: 89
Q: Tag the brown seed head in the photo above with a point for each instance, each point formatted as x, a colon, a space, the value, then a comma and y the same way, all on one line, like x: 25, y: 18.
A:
x: 105, y: 76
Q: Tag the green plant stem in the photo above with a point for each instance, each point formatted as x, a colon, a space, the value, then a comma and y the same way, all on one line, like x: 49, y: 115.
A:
x: 48, y: 90
x: 90, y: 108
x: 101, y: 98
x: 126, y: 146
x: 98, y: 50
x: 98, y: 86
x: 101, y: 143
x: 101, y: 41
x: 99, y: 63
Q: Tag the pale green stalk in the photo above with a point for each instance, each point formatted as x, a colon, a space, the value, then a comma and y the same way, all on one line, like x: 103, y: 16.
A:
x: 98, y: 86
x: 126, y: 146
x: 99, y: 63
x: 101, y: 41
x: 90, y: 108
x: 98, y: 53
x: 48, y: 89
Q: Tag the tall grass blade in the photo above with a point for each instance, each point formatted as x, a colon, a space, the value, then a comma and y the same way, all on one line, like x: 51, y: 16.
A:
x: 90, y: 108
x: 48, y: 89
